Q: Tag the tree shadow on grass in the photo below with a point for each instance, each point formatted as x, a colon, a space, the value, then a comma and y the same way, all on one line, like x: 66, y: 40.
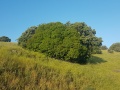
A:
x: 91, y: 60
x: 96, y: 60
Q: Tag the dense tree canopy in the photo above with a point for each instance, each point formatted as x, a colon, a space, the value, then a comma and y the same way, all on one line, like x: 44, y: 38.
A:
x: 115, y: 47
x: 22, y: 41
x: 5, y: 39
x: 73, y: 42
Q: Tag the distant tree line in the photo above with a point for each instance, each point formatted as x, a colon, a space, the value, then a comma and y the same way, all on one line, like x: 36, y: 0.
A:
x: 74, y: 42
x: 114, y: 47
x: 5, y: 39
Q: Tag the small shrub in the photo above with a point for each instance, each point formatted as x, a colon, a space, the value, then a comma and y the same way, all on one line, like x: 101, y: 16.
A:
x: 104, y: 47
x: 110, y: 51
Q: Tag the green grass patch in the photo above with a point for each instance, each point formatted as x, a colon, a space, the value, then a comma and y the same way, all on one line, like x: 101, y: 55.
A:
x: 26, y: 70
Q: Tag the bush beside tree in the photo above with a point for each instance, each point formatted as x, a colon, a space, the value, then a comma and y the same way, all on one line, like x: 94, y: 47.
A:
x: 110, y: 51
x: 104, y: 47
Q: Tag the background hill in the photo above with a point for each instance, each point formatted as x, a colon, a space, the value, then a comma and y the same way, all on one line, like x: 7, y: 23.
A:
x: 26, y: 70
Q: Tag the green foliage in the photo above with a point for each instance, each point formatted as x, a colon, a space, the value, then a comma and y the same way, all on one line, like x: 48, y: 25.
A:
x: 115, y: 47
x: 110, y: 51
x: 5, y: 39
x: 104, y: 47
x: 22, y: 40
x: 71, y: 42
x: 97, y: 50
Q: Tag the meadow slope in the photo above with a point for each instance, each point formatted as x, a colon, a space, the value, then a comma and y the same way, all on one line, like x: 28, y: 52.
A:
x: 26, y: 70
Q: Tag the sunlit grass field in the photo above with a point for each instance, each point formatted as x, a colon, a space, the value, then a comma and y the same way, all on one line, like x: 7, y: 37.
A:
x: 26, y: 70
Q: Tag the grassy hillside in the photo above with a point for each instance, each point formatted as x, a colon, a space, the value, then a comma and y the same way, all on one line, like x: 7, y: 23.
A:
x: 26, y: 70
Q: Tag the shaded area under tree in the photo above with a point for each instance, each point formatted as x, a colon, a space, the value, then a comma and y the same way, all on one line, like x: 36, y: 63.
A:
x: 96, y: 60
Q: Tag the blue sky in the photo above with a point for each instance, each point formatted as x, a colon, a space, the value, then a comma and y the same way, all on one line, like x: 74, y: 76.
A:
x: 102, y: 15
